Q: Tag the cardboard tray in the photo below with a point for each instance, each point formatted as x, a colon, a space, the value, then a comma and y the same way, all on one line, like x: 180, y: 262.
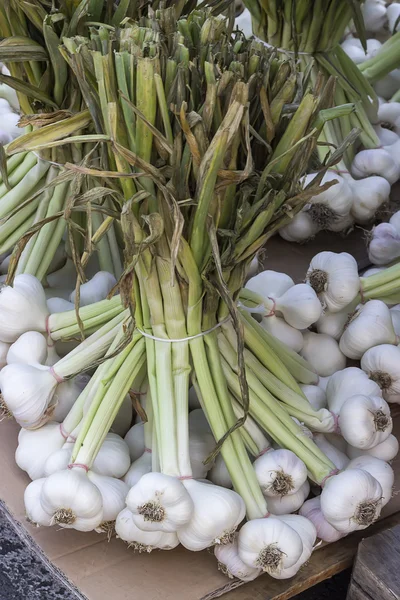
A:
x: 97, y: 569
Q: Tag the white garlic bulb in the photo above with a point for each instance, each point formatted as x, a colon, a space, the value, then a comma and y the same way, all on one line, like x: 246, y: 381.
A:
x: 138, y: 468
x: 280, y: 472
x: 30, y: 348
x: 333, y: 324
x: 311, y: 509
x: 308, y: 534
x: 378, y: 469
x: 33, y: 507
x: 113, y: 457
x: 315, y: 395
x: 219, y: 474
x: 386, y: 450
x: 334, y: 278
x: 384, y: 245
x: 230, y: 563
x: 300, y: 229
x: 113, y: 493
x: 382, y: 365
x: 339, y: 458
x: 283, y: 505
x: 365, y: 421
x: 142, y: 541
x: 284, y: 332
x: 323, y: 353
x: 347, y: 383
x: 380, y: 162
x: 369, y: 195
x: 95, y: 289
x: 34, y: 448
x: 135, y: 440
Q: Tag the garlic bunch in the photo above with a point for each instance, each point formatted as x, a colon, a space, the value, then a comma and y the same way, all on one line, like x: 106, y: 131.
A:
x: 230, y: 563
x: 351, y: 500
x: 382, y: 365
x: 380, y: 470
x: 283, y: 505
x: 323, y: 353
x: 311, y: 509
x: 370, y: 326
x: 280, y: 472
x: 386, y: 450
x: 95, y: 290
x: 334, y: 278
x: 142, y: 541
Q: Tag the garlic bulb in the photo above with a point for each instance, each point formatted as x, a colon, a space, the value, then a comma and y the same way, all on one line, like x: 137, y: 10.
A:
x: 280, y: 472
x: 65, y: 395
x: 373, y: 271
x: 231, y: 565
x: 323, y: 383
x: 59, y: 459
x: 336, y: 440
x: 392, y: 14
x: 351, y: 500
x: 270, y: 284
x: 284, y: 332
x: 365, y: 421
x: 378, y: 469
x: 384, y: 245
x: 219, y: 474
x: 311, y: 509
x: 96, y: 289
x: 57, y: 305
x: 323, y: 353
x: 395, y: 316
x: 22, y: 308
x: 370, y: 326
x: 201, y: 444
x: 72, y: 500
x: 300, y: 229
x: 138, y: 468
x: 217, y: 513
x: 113, y: 493
x: 334, y: 278
x: 299, y: 306
x: 353, y: 48
x: 339, y: 459
x: 386, y: 450
x: 369, y: 195
x: 308, y: 535
x: 135, y: 440
x: 33, y: 507
x: 113, y: 457
x: 159, y: 502
x: 4, y: 349
x: 333, y: 323
x: 381, y: 162
x: 315, y: 395
x: 347, y: 383
x: 269, y: 544
x: 30, y: 348
x: 142, y: 541
x: 282, y: 505
x: 34, y: 448
x: 374, y: 14
x: 382, y: 365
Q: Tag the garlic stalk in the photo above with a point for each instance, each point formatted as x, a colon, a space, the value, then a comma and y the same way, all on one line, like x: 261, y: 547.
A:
x: 382, y: 365
x: 323, y: 353
x: 380, y: 470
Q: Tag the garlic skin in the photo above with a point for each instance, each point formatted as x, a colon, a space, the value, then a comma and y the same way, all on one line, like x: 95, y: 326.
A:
x: 231, y: 565
x: 378, y: 469
x: 392, y: 14
x: 395, y: 316
x: 365, y: 421
x: 284, y: 332
x: 323, y: 353
x: 339, y: 459
x: 34, y: 448
x: 58, y: 460
x: 283, y: 505
x: 280, y: 472
x: 370, y: 326
x: 33, y: 507
x: 96, y: 289
x: 299, y: 306
x: 159, y: 502
x: 142, y: 541
x: 138, y: 468
x: 65, y: 395
x: 135, y: 440
x: 269, y: 544
x: 311, y: 509
x: 4, y: 349
x: 217, y: 513
x: 374, y: 14
x: 333, y: 323
x: 347, y: 383
x: 351, y: 500
x: 315, y: 395
x: 334, y: 278
x: 384, y: 246
x: 382, y: 365
x: 331, y: 209
x: 308, y: 535
x: 386, y: 450
x: 30, y: 348
x: 72, y: 500
x: 201, y: 444
x: 113, y: 457
x: 57, y: 305
x: 219, y: 474
x: 368, y: 196
x: 22, y: 308
x: 113, y: 493
x: 270, y: 284
x: 300, y: 229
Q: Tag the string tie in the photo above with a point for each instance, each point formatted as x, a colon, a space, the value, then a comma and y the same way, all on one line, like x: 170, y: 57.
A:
x: 79, y: 465
x: 186, y: 339
x: 58, y: 378
x: 264, y: 451
x: 272, y: 310
x: 185, y: 477
x: 65, y: 434
x: 331, y: 474
x: 47, y: 326
x: 335, y: 422
x: 149, y: 450
x: 267, y: 514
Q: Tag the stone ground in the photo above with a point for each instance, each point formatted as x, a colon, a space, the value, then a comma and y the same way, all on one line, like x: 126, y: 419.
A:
x: 23, y: 576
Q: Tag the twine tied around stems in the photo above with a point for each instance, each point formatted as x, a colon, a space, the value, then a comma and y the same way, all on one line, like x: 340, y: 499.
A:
x: 65, y: 434
x: 80, y: 465
x: 293, y: 52
x: 58, y: 378
x: 186, y: 339
x: 331, y: 474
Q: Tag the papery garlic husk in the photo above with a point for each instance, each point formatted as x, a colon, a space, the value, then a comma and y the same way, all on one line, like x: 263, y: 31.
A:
x: 230, y: 563
x: 22, y: 308
x: 135, y: 440
x: 283, y: 505
x: 315, y: 395
x: 395, y: 316
x: 95, y: 289
x: 365, y: 421
x: 308, y: 534
x: 142, y: 541
x: 65, y: 395
x: 113, y: 457
x: 219, y: 474
x: 30, y: 348
x: 28, y: 392
x: 113, y: 493
x: 370, y: 326
x: 280, y: 472
x: 351, y: 500
x: 4, y: 349
x: 379, y: 469
x: 160, y: 502
x: 382, y: 365
x: 347, y: 383
x: 369, y: 195
x: 123, y: 420
x: 386, y: 450
x: 300, y: 229
x: 311, y: 509
x: 332, y: 324
x: 323, y: 353
x: 384, y: 245
x: 284, y: 332
x: 34, y: 448
x: 72, y: 500
x: 217, y: 513
x: 33, y: 507
x: 339, y: 458
x: 270, y: 284
x: 138, y: 468
x: 380, y: 162
x: 269, y: 544
x: 299, y: 306
x: 334, y: 278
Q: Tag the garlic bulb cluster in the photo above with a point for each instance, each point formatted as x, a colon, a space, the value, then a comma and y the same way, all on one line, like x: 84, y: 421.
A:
x: 308, y: 534
x: 142, y: 541
x: 384, y: 242
x: 380, y: 470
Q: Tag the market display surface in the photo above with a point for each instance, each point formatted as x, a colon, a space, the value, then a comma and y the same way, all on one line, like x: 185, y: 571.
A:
x: 168, y: 390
